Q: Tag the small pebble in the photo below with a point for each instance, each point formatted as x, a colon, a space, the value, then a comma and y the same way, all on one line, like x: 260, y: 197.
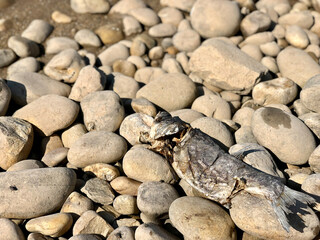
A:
x: 103, y: 171
x: 23, y: 47
x: 115, y: 52
x: 170, y: 15
x: 94, y: 6
x: 60, y: 17
x: 145, y: 16
x: 162, y: 30
x: 297, y: 37
x: 28, y: 64
x: 109, y: 34
x: 77, y: 204
x: 125, y: 204
x: 72, y: 134
x: 86, y: 37
x: 58, y: 44
x: 7, y: 56
x: 99, y: 191
x: 126, y: 186
x: 131, y: 26
x: 37, y: 31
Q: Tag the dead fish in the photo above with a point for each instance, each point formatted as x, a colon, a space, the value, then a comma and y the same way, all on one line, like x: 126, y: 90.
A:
x: 219, y: 176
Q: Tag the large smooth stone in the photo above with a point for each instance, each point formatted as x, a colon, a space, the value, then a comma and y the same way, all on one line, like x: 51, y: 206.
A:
x: 49, y: 113
x: 198, y: 218
x: 97, y: 147
x: 34, y: 192
x: 297, y: 65
x: 29, y: 86
x: 225, y: 66
x: 215, y: 18
x: 144, y: 165
x: 10, y: 231
x: 16, y: 138
x: 284, y: 134
x: 170, y: 91
x: 255, y: 216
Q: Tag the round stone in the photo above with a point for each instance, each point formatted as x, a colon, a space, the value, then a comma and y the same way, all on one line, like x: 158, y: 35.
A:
x: 7, y: 56
x: 49, y: 113
x: 97, y: 147
x: 170, y: 15
x: 297, y: 37
x: 187, y: 40
x: 109, y: 33
x: 162, y: 30
x: 198, y: 218
x: 145, y: 16
x: 144, y: 165
x: 86, y: 37
x: 26, y: 164
x: 254, y: 22
x: 102, y: 111
x: 114, y: 52
x: 155, y: 198
x: 170, y: 91
x: 215, y: 18
x: 284, y: 134
x: 125, y: 204
x: 28, y: 64
x: 23, y: 47
x: 126, y: 186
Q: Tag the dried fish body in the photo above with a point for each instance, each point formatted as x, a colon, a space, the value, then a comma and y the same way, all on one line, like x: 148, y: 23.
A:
x: 199, y: 160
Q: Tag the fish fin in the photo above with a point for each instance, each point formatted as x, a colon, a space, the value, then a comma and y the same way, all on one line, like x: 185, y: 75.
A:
x: 286, y: 199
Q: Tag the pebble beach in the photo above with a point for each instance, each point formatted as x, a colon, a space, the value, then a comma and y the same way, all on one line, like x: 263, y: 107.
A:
x: 81, y: 80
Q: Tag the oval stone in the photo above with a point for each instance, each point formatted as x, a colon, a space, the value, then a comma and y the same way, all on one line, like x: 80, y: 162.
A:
x: 49, y: 113
x: 284, y: 134
x: 170, y: 91
x: 34, y: 192
x: 97, y: 147
x: 198, y: 218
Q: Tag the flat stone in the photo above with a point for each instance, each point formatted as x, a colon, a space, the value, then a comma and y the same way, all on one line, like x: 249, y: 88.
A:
x: 145, y: 16
x: 155, y: 198
x: 262, y: 222
x: 91, y: 223
x: 102, y: 110
x: 170, y: 91
x: 125, y: 185
x: 85, y: 6
x: 259, y: 38
x: 7, y: 56
x: 126, y: 204
x: 26, y: 164
x: 198, y: 218
x: 225, y: 66
x: 303, y: 19
x: 9, y: 230
x: 143, y: 165
x: 72, y: 134
x: 37, y: 31
x: 278, y: 90
x: 16, y: 141
x: 58, y: 44
x: 215, y: 18
x: 115, y: 52
x: 86, y: 37
x: 56, y: 113
x: 77, y: 204
x: 53, y: 225
x: 310, y: 93
x: 215, y: 129
x: 28, y: 64
x: 65, y: 66
x: 99, y: 191
x: 109, y: 33
x: 23, y: 47
x: 212, y: 106
x: 284, y: 134
x: 97, y: 147
x: 5, y: 97
x: 125, y: 6
x: 26, y: 87
x: 90, y: 79
x: 125, y: 233
x: 162, y: 30
x: 103, y: 171
x: 150, y: 229
x: 297, y: 65
x: 35, y: 192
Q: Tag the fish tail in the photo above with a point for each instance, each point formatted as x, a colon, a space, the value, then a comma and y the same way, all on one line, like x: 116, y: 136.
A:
x: 286, y: 199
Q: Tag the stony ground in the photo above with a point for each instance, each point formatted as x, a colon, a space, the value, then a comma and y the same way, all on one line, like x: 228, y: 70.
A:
x: 81, y: 80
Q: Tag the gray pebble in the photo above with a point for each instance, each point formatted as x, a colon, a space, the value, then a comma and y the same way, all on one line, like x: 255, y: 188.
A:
x: 55, y: 157
x: 37, y: 31
x: 26, y: 164
x: 99, y: 191
x: 23, y: 47
x: 122, y: 233
x: 58, y: 44
x: 28, y: 64
x: 86, y: 37
x: 7, y: 56
x: 157, y: 232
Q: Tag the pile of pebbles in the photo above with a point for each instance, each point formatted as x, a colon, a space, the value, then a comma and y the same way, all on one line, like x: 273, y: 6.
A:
x: 245, y: 72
